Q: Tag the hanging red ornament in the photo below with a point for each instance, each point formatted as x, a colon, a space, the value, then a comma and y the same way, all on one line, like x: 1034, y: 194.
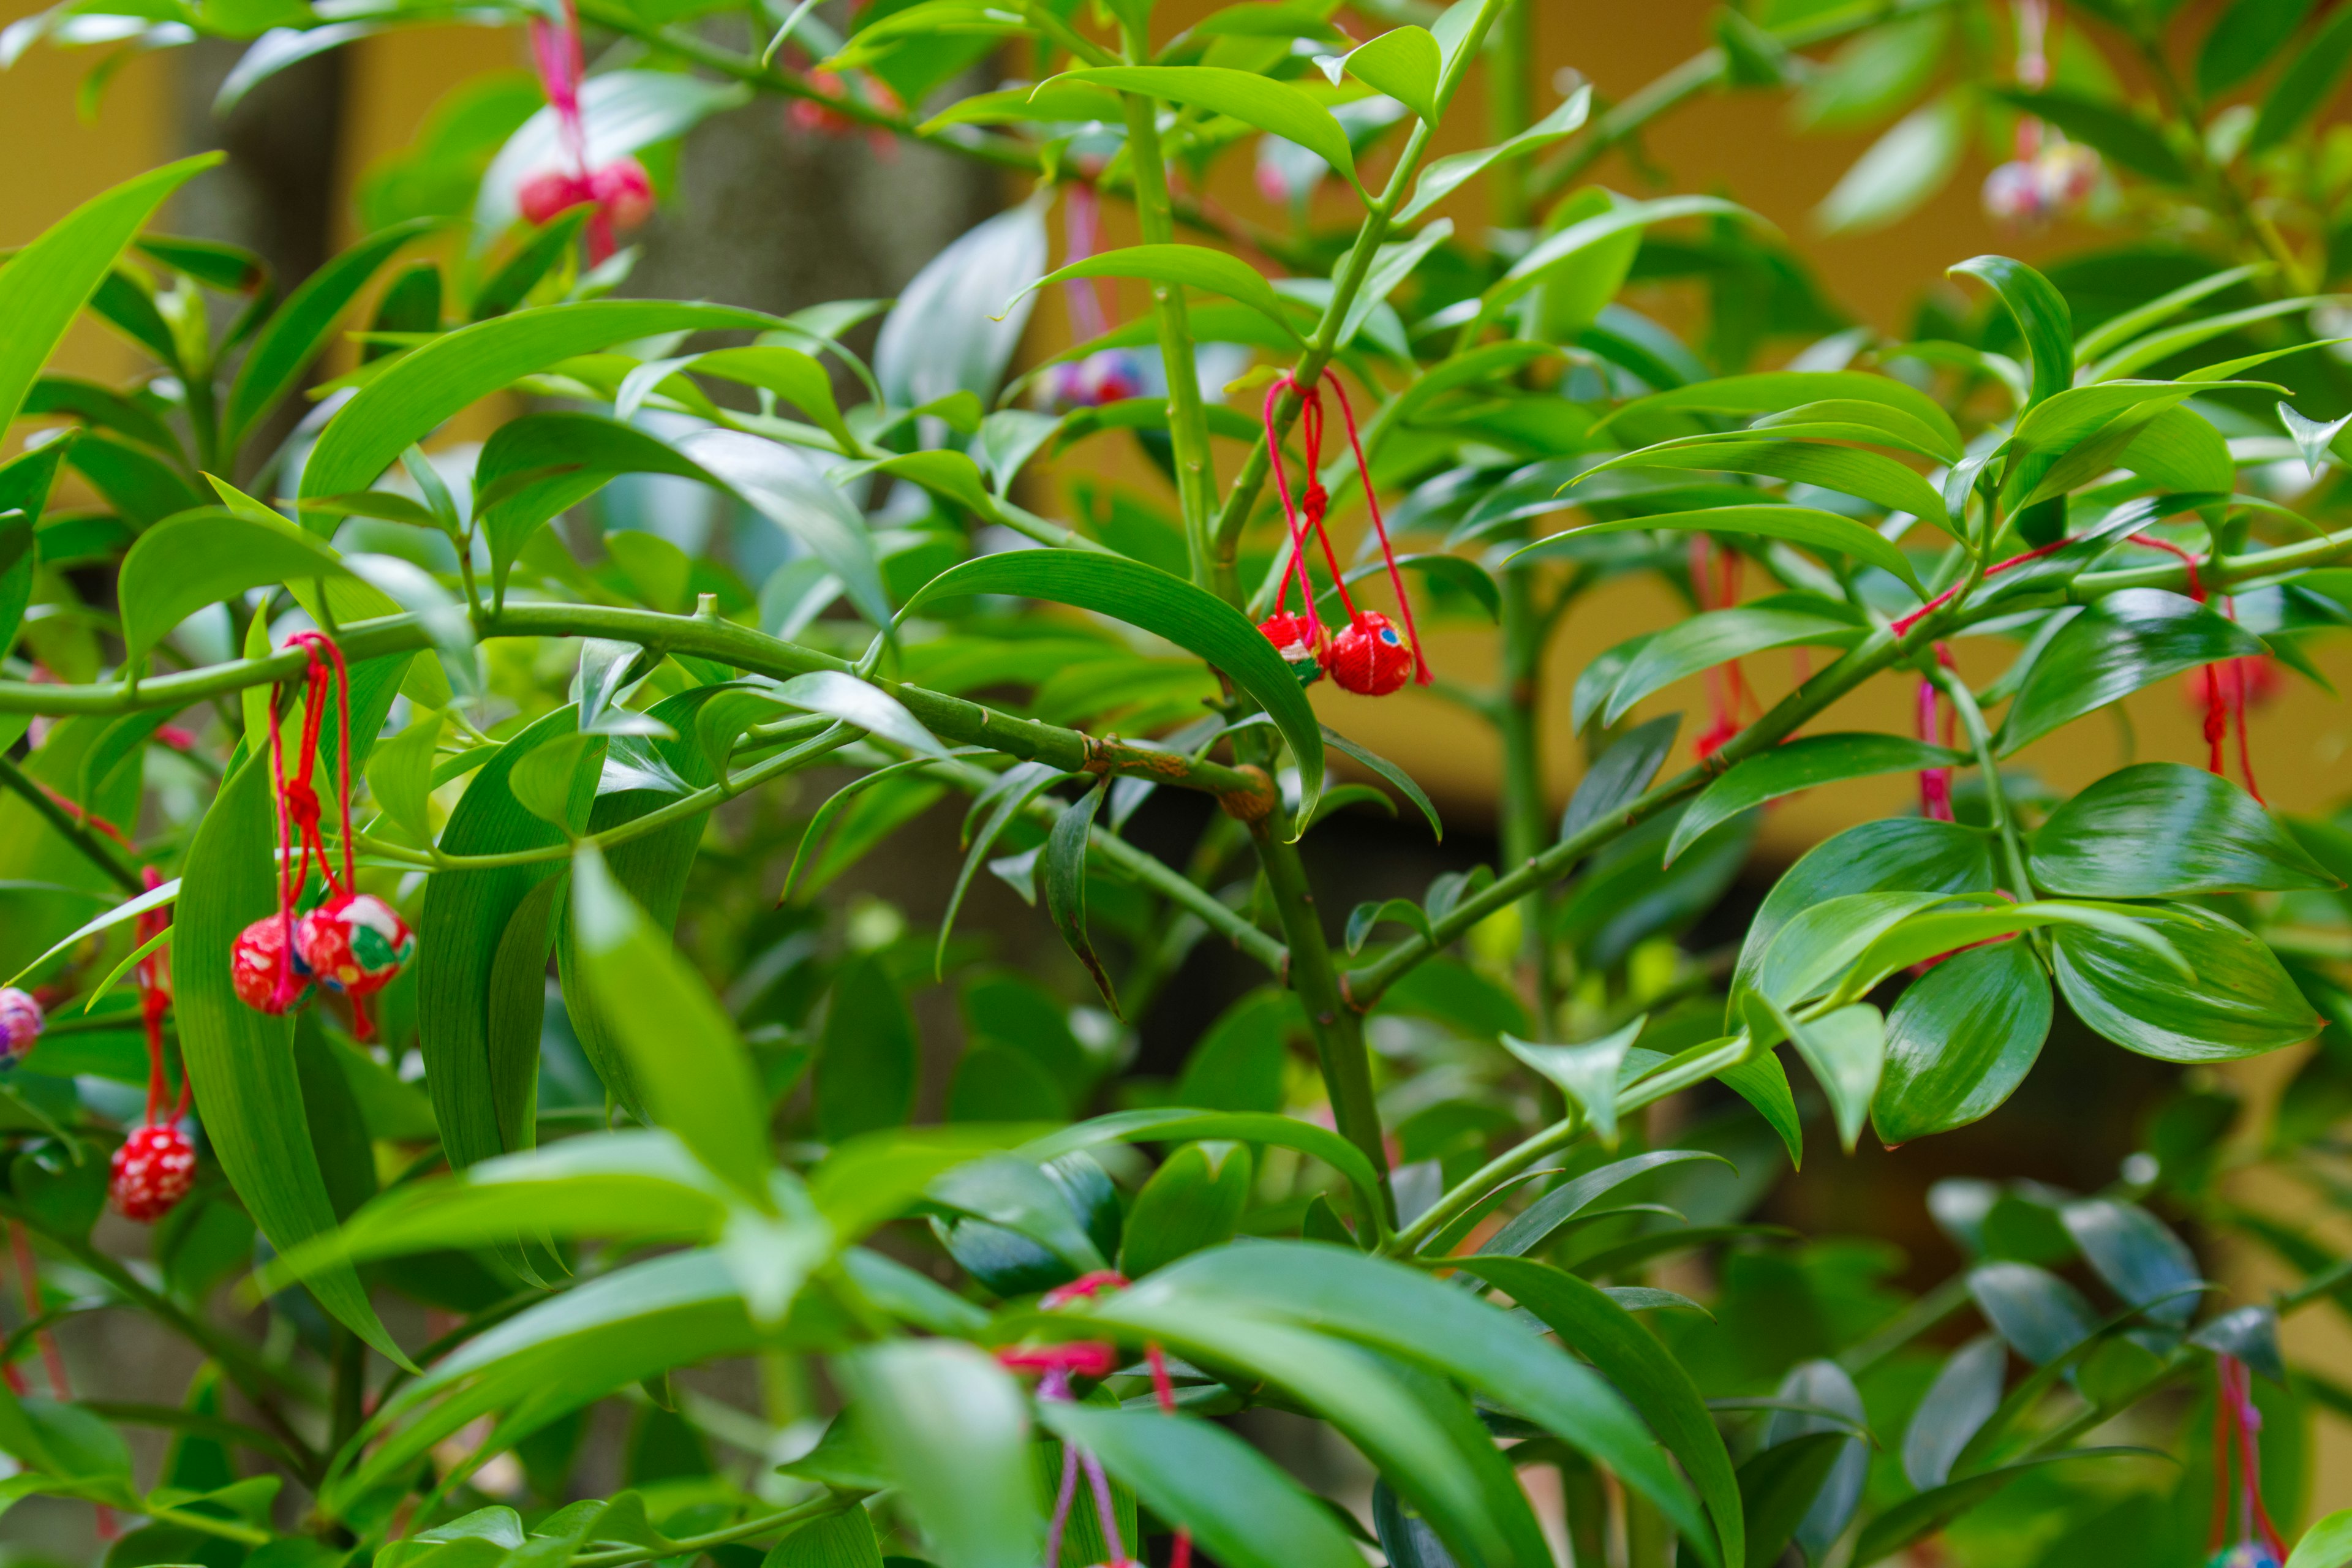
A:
x: 255, y: 969
x: 623, y: 196
x: 152, y: 1173
x: 1300, y: 644
x: 1935, y: 784
x: 353, y: 941
x: 354, y: 944
x: 21, y: 1022
x: 1367, y: 656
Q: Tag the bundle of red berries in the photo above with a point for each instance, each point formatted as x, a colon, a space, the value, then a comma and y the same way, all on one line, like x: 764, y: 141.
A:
x: 1367, y: 655
x: 351, y: 943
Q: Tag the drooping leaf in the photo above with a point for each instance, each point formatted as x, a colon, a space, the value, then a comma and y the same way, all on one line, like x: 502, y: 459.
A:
x: 2159, y: 830
x: 1586, y: 1074
x: 2042, y: 316
x: 1620, y: 774
x: 1966, y: 1393
x: 1960, y: 1040
x: 439, y: 379
x: 201, y: 557
x: 1187, y: 266
x: 954, y: 1429
x: 1277, y: 108
x: 2234, y: 999
x: 2122, y: 642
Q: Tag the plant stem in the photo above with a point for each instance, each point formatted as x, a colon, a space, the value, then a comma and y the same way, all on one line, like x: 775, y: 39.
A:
x: 1337, y: 1027
x: 2004, y: 823
x: 1510, y: 108
x: 1188, y: 420
x: 95, y: 848
x: 1527, y: 814
x: 1309, y: 367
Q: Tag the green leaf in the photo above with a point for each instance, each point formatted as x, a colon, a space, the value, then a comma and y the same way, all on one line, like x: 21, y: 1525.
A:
x: 1930, y: 1511
x: 1557, y: 250
x: 1902, y: 169
x: 298, y: 331
x: 1065, y: 884
x: 1779, y: 1486
x: 1404, y: 1313
x: 954, y: 1429
x: 1190, y: 266
x: 868, y: 1057
x: 844, y: 1539
x: 2306, y: 86
x: 1005, y: 799
x: 1528, y: 1229
x: 241, y: 1062
x: 1923, y: 936
x: 2041, y: 316
x: 1960, y: 1040
x: 1706, y: 640
x: 793, y: 375
x: 694, y: 1075
x: 1446, y: 175
x: 1404, y: 63
x: 1818, y: 530
x: 1966, y: 1393
x: 535, y: 466
x: 2136, y: 1257
x: 482, y: 1076
x: 1391, y: 773
x: 44, y: 286
x: 1872, y: 475
x: 1586, y: 1074
x: 2127, y: 140
x: 785, y: 488
x: 1847, y: 1051
x: 1195, y: 1199
x: 1854, y: 419
x: 2235, y: 1000
x: 1244, y: 1127
x: 1197, y: 1475
x: 200, y: 557
x: 439, y: 379
x: 1626, y: 1353
x: 2164, y: 830
x: 2327, y: 1544
x: 1806, y: 763
x: 854, y: 701
x: 1620, y: 774
x: 1770, y: 392
x: 2243, y: 41
x: 1167, y: 606
x: 400, y: 775
x: 2122, y: 642
x: 1275, y: 108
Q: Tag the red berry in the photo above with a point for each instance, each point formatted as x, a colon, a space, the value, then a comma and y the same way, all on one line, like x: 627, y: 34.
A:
x: 153, y: 1172
x: 253, y: 965
x: 1369, y: 658
x: 20, y: 1023
x: 355, y: 944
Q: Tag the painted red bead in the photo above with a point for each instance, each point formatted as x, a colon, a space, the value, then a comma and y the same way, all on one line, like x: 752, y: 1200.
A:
x: 1290, y: 638
x: 253, y: 968
x: 1369, y: 658
x: 152, y: 1173
x: 355, y: 945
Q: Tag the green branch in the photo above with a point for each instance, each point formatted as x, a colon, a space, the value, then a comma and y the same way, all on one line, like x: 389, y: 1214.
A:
x: 94, y: 846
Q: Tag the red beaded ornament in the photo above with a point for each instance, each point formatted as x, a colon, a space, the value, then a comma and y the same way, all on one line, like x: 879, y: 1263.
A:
x: 152, y: 1173
x: 1367, y: 656
x: 155, y: 1165
x: 352, y: 942
x: 623, y: 196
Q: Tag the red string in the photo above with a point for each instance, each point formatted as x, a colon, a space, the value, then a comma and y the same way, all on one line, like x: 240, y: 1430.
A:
x: 2238, y: 1462
x: 1715, y: 576
x: 1935, y: 784
x: 154, y: 999
x: 298, y: 836
x: 1182, y: 1555
x: 1421, y: 676
x: 2221, y: 686
x: 1903, y: 627
x: 1290, y: 514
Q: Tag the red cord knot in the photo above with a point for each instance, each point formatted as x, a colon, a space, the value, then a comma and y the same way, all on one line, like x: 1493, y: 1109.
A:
x: 1077, y: 1358
x: 1085, y: 1288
